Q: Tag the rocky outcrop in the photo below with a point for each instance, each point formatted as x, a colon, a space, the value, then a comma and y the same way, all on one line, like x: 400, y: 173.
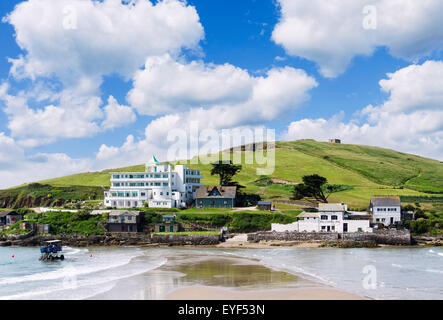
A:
x: 436, y: 241
x: 118, y: 239
x: 29, y: 202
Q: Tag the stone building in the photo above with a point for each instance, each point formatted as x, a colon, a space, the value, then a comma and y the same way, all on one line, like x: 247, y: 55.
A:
x: 123, y: 221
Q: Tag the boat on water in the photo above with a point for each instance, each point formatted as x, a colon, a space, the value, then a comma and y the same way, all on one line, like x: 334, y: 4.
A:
x: 51, y: 251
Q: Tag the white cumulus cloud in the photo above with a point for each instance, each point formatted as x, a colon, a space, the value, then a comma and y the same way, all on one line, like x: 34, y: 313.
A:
x: 223, y: 95
x: 70, y: 45
x: 332, y: 33
x: 94, y: 38
x: 117, y: 115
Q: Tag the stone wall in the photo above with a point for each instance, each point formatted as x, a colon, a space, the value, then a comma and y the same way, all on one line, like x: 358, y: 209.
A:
x: 292, y: 236
x: 390, y: 237
x: 183, y: 239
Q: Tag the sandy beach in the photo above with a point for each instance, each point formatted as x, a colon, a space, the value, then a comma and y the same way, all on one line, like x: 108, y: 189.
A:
x: 220, y: 276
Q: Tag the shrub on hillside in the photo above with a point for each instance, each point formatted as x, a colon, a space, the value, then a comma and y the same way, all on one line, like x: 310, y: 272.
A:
x: 251, y: 221
x: 72, y: 223
x: 216, y: 220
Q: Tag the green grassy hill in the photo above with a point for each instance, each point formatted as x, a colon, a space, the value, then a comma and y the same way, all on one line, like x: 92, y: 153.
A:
x: 363, y: 170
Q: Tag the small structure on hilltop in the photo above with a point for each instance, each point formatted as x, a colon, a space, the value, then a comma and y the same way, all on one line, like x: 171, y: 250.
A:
x: 216, y: 196
x: 168, y: 224
x: 334, y: 141
x: 9, y: 217
x: 123, y: 221
x: 385, y: 210
x: 264, y: 205
x: 331, y: 217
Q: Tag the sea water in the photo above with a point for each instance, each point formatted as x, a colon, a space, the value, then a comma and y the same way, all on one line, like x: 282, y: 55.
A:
x: 85, y: 272
x: 381, y: 273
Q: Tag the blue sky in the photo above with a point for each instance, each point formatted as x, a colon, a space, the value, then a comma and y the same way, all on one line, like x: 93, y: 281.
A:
x: 340, y: 77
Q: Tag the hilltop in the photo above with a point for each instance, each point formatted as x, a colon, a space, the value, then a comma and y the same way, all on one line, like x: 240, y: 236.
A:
x: 360, y: 172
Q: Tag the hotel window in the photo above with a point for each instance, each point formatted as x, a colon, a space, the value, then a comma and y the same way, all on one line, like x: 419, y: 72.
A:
x: 165, y: 184
x: 334, y: 217
x: 323, y: 227
x: 165, y: 176
x: 161, y: 193
x: 116, y: 176
x: 324, y: 217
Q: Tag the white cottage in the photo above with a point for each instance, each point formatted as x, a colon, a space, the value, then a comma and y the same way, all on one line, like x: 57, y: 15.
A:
x: 386, y: 210
x: 331, y: 217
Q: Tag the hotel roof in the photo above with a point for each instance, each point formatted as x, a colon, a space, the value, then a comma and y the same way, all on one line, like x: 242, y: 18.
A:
x: 226, y: 192
x: 123, y: 212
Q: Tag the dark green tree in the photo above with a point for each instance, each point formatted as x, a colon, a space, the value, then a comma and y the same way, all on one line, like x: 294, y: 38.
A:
x: 313, y: 188
x: 226, y: 171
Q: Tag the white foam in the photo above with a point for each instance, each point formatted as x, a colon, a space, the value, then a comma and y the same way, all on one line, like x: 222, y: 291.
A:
x: 86, y: 288
x: 74, y: 271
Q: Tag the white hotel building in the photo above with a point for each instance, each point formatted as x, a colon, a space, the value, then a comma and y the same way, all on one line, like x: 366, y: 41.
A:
x: 160, y: 186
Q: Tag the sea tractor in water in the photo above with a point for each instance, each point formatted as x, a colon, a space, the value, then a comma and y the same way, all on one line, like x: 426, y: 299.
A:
x: 50, y: 251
